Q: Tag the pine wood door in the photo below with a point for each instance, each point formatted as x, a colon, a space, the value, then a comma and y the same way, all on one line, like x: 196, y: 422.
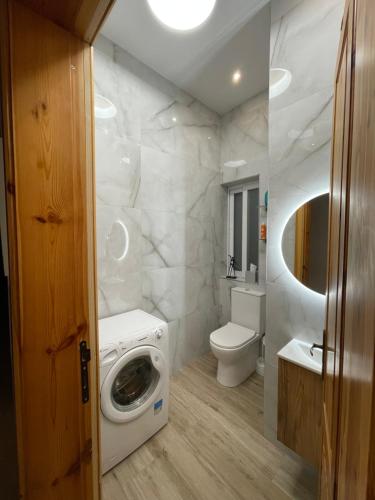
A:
x: 47, y: 103
x: 336, y: 258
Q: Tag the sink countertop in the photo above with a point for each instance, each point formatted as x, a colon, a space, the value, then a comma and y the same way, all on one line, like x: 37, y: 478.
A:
x: 298, y: 352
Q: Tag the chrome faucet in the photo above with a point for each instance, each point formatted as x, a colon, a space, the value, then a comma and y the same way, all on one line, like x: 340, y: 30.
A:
x: 315, y: 346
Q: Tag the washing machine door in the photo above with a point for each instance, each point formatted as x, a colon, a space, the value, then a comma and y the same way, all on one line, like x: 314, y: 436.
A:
x: 133, y: 384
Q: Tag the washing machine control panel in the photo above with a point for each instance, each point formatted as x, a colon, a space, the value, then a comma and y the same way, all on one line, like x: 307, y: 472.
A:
x: 111, y: 352
x: 145, y: 338
x: 125, y: 345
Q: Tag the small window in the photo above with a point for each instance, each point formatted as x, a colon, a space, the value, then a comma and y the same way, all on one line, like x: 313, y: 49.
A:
x: 243, y: 226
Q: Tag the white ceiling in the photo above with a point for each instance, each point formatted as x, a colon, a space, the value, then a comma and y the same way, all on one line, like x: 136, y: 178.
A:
x: 200, y: 61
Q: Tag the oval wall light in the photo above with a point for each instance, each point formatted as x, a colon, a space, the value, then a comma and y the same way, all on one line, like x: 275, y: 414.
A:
x: 118, y: 236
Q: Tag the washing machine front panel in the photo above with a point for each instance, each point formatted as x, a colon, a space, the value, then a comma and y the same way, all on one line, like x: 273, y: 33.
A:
x: 133, y: 383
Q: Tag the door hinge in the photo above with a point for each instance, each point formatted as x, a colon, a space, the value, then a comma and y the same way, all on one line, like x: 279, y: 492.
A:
x: 85, y: 356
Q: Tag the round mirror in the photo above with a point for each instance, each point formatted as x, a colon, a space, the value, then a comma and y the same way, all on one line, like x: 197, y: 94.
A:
x: 305, y: 241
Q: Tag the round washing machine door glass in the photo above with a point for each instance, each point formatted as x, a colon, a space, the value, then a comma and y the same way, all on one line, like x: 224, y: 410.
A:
x: 133, y: 383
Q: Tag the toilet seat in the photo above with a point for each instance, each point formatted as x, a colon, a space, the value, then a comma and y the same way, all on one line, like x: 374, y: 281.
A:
x: 232, y: 336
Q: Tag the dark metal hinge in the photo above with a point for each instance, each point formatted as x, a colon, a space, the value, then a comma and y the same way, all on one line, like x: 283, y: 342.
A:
x: 85, y: 359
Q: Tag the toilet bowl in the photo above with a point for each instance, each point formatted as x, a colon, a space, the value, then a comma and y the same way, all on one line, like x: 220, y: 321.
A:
x: 236, y: 345
x: 236, y: 349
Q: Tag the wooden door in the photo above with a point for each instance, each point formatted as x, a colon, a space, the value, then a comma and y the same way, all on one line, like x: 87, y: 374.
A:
x: 356, y: 444
x: 336, y: 258
x: 348, y: 461
x: 47, y: 94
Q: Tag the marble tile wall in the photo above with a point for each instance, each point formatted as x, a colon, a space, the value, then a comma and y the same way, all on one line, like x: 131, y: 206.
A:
x: 244, y: 136
x: 158, y: 174
x: 304, y: 40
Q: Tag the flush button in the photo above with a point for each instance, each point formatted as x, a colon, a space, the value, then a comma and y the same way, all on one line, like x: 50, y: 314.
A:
x: 159, y: 333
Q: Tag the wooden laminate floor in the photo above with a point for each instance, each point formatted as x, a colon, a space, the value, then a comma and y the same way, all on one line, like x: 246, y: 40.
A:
x: 212, y: 449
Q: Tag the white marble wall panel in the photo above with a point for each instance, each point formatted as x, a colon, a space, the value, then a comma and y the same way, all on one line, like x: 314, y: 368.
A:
x: 118, y: 295
x: 112, y: 241
x: 118, y: 168
x: 186, y: 130
x: 158, y: 172
x: 300, y: 130
x: 304, y: 41
x: 172, y: 293
x: 189, y: 336
x: 173, y: 240
x: 244, y: 136
x: 113, y: 82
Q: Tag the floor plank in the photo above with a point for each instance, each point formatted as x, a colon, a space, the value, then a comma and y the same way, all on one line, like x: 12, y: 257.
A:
x: 212, y: 449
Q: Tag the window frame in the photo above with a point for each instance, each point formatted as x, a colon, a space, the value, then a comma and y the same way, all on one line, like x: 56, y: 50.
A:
x: 240, y: 188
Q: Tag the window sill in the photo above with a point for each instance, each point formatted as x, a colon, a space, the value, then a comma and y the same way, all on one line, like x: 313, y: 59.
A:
x: 237, y: 280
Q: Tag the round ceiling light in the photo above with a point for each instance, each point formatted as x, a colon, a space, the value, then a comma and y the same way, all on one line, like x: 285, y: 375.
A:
x: 182, y: 15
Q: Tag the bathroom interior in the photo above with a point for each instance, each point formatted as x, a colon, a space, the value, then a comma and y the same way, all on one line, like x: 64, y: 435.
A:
x: 187, y: 249
x: 212, y: 150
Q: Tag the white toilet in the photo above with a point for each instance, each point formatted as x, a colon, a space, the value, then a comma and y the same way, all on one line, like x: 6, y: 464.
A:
x: 236, y: 345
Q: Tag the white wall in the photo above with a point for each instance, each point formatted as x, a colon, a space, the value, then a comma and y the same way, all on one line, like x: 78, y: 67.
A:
x: 244, y: 136
x: 304, y: 40
x: 158, y: 172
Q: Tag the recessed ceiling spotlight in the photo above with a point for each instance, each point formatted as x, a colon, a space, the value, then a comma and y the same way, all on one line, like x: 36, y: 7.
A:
x: 237, y: 77
x: 174, y: 119
x: 182, y: 15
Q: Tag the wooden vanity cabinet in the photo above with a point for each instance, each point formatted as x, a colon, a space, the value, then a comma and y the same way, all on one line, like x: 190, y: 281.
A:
x: 300, y: 411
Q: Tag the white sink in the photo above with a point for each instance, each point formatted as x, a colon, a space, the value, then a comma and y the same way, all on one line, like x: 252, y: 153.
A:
x: 298, y: 352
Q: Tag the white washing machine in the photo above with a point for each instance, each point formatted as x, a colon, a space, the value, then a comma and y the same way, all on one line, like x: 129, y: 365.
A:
x: 134, y: 382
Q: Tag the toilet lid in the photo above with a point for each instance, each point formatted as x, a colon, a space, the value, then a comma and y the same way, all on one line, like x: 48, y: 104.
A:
x: 232, y: 336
